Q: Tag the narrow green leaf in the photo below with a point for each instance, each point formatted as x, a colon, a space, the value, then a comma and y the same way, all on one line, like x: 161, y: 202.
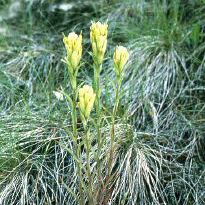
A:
x: 75, y: 157
x: 70, y: 190
x: 113, y: 84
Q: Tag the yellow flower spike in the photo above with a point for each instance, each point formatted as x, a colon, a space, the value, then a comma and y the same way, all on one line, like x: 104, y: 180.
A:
x: 98, y: 36
x: 75, y: 59
x: 73, y: 44
x: 120, y: 57
x: 87, y: 98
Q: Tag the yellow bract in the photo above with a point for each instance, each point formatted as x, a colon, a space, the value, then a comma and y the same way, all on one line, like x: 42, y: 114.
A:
x: 73, y: 44
x: 87, y: 98
x: 120, y: 57
x: 98, y: 36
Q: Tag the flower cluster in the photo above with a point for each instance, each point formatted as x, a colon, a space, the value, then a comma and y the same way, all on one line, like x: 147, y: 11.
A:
x: 73, y: 44
x: 87, y: 98
x: 98, y: 36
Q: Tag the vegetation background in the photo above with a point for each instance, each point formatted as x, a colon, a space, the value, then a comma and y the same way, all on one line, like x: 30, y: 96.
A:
x: 162, y: 159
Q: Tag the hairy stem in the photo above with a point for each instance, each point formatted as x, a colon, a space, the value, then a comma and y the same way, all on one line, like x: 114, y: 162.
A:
x: 77, y: 148
x: 117, y: 98
x: 88, y: 165
x: 97, y: 89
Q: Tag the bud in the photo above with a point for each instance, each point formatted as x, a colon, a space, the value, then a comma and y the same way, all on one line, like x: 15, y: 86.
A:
x: 98, y: 36
x: 120, y: 57
x: 87, y: 98
x: 73, y: 44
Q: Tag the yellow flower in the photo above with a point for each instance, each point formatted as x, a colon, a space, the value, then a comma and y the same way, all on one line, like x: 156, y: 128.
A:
x: 98, y: 36
x: 87, y: 98
x: 73, y: 44
x: 120, y: 57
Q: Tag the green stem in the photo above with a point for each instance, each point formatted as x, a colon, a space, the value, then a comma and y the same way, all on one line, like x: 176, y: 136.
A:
x: 97, y: 89
x: 113, y: 128
x: 77, y: 148
x: 98, y: 110
x: 88, y: 165
x: 75, y: 116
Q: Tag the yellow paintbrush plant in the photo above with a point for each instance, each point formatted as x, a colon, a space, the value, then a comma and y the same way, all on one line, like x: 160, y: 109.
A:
x: 73, y: 44
x: 120, y: 58
x: 98, y: 37
x: 92, y: 181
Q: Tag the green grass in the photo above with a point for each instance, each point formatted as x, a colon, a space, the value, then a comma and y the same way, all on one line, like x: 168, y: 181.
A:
x: 161, y: 119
